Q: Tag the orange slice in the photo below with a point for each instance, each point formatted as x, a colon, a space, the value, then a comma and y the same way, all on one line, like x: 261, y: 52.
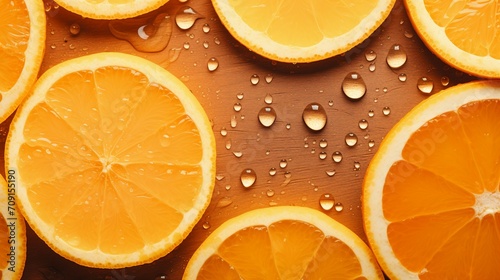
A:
x: 115, y: 160
x: 431, y: 195
x: 465, y: 33
x: 111, y: 9
x: 301, y: 31
x: 12, y: 231
x: 283, y: 242
x: 22, y: 45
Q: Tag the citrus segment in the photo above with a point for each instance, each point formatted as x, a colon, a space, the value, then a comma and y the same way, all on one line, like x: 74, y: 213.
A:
x: 320, y: 29
x: 431, y: 195
x: 111, y: 9
x: 22, y: 44
x: 285, y: 242
x: 463, y: 33
x: 12, y: 231
x: 115, y: 158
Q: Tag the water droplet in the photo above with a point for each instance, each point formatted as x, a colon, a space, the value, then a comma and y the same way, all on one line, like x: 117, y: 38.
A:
x: 372, y: 67
x: 186, y: 45
x: 396, y: 57
x: 267, y: 116
x: 402, y: 77
x: 272, y: 171
x: 357, y: 166
x: 53, y: 46
x: 371, y: 143
x: 74, y: 29
x: 408, y: 34
x: 268, y: 99
x: 144, y: 34
x: 206, y: 28
x: 425, y: 85
x: 323, y: 143
x: 254, y: 79
x: 223, y: 131
x: 212, y: 64
x: 217, y: 41
x: 339, y: 207
x: 314, y: 116
x: 238, y: 154
x: 353, y: 86
x: 337, y: 156
x: 370, y: 55
x: 224, y: 202
x: 233, y: 122
x: 227, y: 187
x: 371, y: 113
x: 330, y: 103
x: 237, y: 107
x: 351, y: 139
x: 186, y: 17
x: 322, y: 155
x: 228, y: 144
x: 206, y: 225
x: 283, y: 163
x: 386, y: 111
x: 330, y: 173
x: 363, y: 124
x: 288, y: 126
x: 240, y: 95
x: 269, y: 78
x: 445, y: 81
x: 326, y: 201
x: 165, y: 140
x: 248, y: 177
x: 270, y: 193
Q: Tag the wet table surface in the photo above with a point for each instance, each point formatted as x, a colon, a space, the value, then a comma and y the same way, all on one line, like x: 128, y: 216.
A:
x: 293, y: 164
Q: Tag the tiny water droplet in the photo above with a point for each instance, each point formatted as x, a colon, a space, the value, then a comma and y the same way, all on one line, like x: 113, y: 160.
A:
x: 267, y: 116
x: 353, y: 86
x: 212, y: 64
x: 248, y: 177
x: 370, y: 55
x: 269, y: 78
x: 150, y: 34
x: 228, y: 144
x: 445, y: 81
x: 53, y: 46
x: 205, y: 44
x: 386, y: 111
x: 224, y: 202
x: 330, y: 173
x: 270, y: 193
x: 357, y: 166
x: 186, y: 45
x: 240, y: 95
x: 288, y: 126
x: 408, y: 34
x: 283, y: 163
x: 268, y: 99
x: 223, y: 131
x: 396, y: 57
x: 206, y: 28
x: 272, y: 171
x: 237, y: 107
x: 186, y: 17
x: 322, y: 155
x: 323, y: 143
x: 339, y: 207
x: 371, y: 143
x: 227, y: 187
x: 217, y: 41
x: 363, y: 124
x: 330, y: 103
x: 206, y: 225
x: 238, y: 154
x: 233, y: 122
x: 402, y: 77
x: 372, y: 67
x: 425, y: 85
x: 74, y: 29
x: 254, y: 79
x: 337, y: 156
x: 351, y: 139
x: 314, y: 116
x: 326, y: 201
x: 371, y: 113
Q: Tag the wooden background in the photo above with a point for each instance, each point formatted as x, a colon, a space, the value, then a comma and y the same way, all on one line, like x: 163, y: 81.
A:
x: 293, y: 86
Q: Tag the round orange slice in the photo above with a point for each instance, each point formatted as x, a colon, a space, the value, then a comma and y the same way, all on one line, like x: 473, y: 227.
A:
x: 283, y: 242
x: 115, y: 160
x: 22, y: 45
x: 431, y: 195
x: 111, y: 9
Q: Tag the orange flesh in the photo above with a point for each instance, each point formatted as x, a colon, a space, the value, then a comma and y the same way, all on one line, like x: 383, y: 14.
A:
x: 430, y: 195
x: 283, y: 250
x: 14, y: 35
x: 467, y: 17
x: 310, y: 21
x: 98, y: 182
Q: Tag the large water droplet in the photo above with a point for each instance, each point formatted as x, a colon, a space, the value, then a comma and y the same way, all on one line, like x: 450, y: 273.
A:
x: 186, y: 17
x: 337, y: 156
x: 206, y: 28
x: 248, y: 177
x: 144, y: 34
x: 425, y: 85
x: 326, y: 201
x: 74, y: 29
x: 353, y: 86
x: 370, y: 55
x: 283, y: 163
x: 339, y: 207
x: 402, y: 77
x: 254, y: 79
x: 396, y: 57
x: 269, y: 78
x: 272, y: 171
x: 267, y: 116
x: 212, y: 64
x: 386, y: 111
x: 314, y: 116
x: 351, y: 139
x: 363, y: 124
x: 445, y: 81
x: 268, y: 99
x: 323, y: 143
